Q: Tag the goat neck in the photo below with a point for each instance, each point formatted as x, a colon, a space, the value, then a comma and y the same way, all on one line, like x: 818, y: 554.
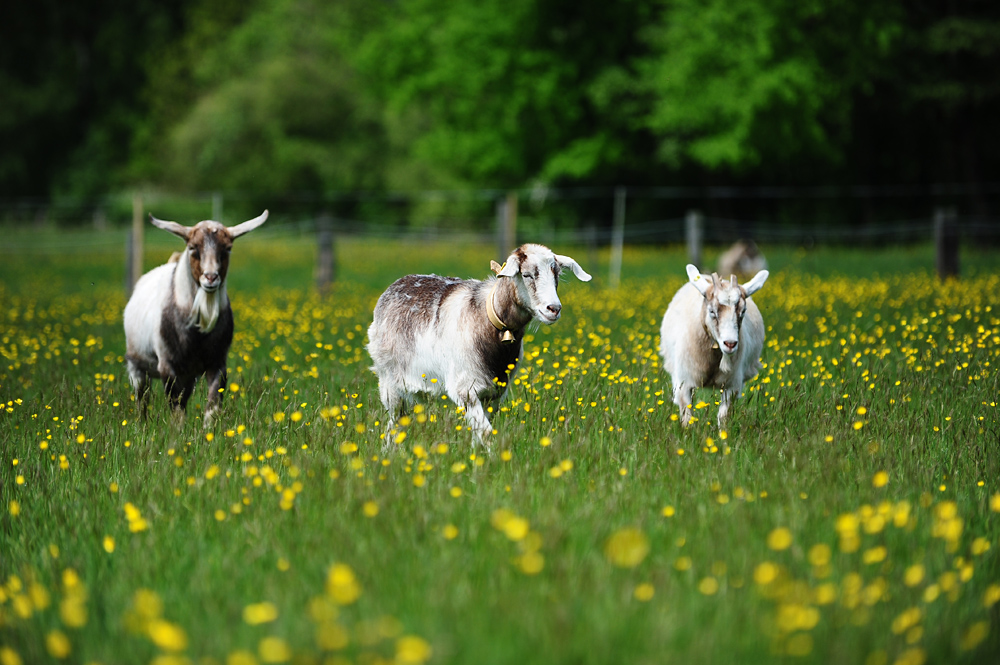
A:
x: 504, y: 307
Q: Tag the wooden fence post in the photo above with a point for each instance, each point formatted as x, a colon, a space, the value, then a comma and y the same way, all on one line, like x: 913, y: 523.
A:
x: 617, y: 239
x: 217, y: 207
x: 129, y: 260
x: 693, y: 227
x: 326, y: 257
x: 133, y: 261
x: 506, y: 224
x: 946, y: 242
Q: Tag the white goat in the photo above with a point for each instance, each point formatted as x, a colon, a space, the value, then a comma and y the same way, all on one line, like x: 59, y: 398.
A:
x: 711, y: 337
x: 436, y: 335
x: 178, y: 322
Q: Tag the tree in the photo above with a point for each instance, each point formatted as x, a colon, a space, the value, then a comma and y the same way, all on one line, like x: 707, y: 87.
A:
x: 71, y: 75
x: 507, y: 92
x: 761, y: 85
x: 276, y: 108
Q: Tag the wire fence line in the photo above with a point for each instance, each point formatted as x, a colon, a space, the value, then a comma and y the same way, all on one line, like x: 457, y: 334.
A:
x: 716, y: 230
x: 803, y: 215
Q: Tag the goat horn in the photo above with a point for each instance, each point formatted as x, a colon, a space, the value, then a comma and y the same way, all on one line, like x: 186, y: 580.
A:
x: 173, y: 227
x: 247, y: 226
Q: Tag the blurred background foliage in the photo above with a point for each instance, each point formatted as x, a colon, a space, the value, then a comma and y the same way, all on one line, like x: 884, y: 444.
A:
x: 305, y: 98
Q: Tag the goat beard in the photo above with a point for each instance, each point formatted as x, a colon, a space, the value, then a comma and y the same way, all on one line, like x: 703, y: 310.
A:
x: 728, y: 362
x: 205, y: 310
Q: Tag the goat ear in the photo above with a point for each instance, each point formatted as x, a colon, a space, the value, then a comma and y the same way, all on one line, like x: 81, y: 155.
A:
x: 701, y: 282
x: 753, y: 286
x: 510, y: 267
x: 178, y: 230
x: 567, y: 262
x: 247, y: 227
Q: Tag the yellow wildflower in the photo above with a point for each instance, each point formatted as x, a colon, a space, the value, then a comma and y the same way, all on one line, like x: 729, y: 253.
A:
x: 258, y: 613
x: 274, y: 650
x: 626, y: 548
x: 412, y: 650
x: 779, y: 539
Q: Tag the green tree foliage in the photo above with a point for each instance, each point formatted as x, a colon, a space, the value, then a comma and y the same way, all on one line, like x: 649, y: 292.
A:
x: 743, y: 83
x: 511, y: 91
x: 172, y: 85
x: 278, y: 108
x: 271, y: 96
x: 71, y: 74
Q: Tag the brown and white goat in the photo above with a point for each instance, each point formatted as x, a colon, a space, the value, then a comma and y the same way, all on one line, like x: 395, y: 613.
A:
x: 712, y: 337
x: 178, y: 322
x: 743, y: 259
x: 436, y: 335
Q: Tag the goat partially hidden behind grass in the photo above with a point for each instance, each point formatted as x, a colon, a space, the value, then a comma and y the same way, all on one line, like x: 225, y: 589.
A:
x: 712, y: 336
x: 436, y: 335
x: 178, y: 322
x: 743, y: 259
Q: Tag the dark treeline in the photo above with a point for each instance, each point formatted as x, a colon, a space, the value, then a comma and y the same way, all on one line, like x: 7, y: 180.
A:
x: 298, y: 100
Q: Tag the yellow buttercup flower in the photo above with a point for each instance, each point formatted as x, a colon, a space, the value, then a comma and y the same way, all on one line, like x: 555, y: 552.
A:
x: 167, y: 636
x: 412, y: 650
x: 342, y: 585
x: 626, y: 548
x: 274, y: 650
x: 779, y: 539
x: 259, y: 613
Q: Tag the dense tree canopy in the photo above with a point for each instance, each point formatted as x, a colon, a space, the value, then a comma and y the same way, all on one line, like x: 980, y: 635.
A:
x: 314, y: 96
x: 71, y: 78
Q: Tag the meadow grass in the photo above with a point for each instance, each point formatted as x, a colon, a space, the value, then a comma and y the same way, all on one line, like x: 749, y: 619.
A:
x: 849, y: 514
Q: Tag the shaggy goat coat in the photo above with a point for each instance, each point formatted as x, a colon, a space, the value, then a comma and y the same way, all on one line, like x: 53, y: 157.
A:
x: 712, y: 336
x: 432, y: 335
x: 178, y: 322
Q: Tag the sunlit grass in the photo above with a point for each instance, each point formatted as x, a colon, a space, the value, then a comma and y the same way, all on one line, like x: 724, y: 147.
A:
x: 848, y: 515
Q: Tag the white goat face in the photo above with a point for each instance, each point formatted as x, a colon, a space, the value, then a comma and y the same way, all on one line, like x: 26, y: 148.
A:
x: 536, y: 269
x: 725, y: 305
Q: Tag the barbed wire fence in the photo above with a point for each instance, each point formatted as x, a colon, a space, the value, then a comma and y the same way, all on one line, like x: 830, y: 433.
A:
x: 508, y: 217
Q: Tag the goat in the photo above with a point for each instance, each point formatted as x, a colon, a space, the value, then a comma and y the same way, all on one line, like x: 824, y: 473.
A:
x: 712, y: 336
x: 178, y: 322
x: 743, y: 259
x: 436, y: 335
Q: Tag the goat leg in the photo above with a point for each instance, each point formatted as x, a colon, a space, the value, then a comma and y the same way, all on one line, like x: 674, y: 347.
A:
x: 475, y: 414
x: 727, y: 399
x: 397, y: 407
x: 140, y: 386
x: 178, y: 393
x: 682, y: 398
x: 216, y: 383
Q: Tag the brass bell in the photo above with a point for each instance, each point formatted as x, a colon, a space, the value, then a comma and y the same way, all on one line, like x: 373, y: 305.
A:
x: 507, y: 337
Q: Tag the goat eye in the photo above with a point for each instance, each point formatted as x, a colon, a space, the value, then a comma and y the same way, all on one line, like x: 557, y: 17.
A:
x: 528, y: 275
x: 194, y: 253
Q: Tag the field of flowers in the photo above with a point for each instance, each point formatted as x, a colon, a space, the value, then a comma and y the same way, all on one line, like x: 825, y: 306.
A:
x: 850, y: 514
